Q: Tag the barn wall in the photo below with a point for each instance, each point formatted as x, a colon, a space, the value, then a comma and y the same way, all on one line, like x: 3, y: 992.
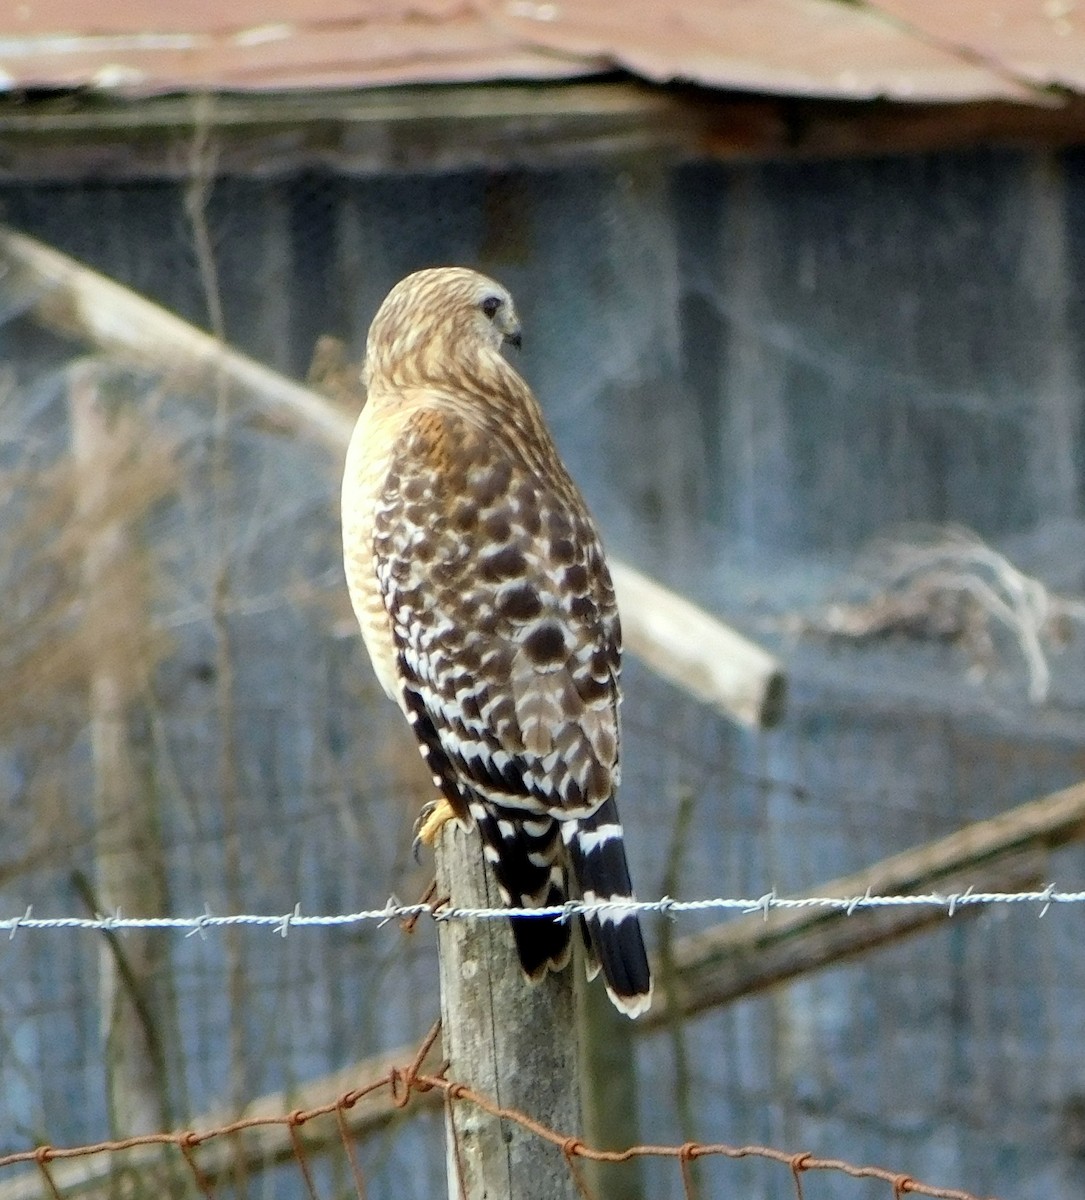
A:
x: 752, y: 369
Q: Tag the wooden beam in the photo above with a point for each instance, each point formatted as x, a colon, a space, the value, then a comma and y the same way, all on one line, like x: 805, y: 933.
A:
x: 685, y: 644
x: 363, y: 132
x: 84, y: 305
x: 830, y: 129
x: 440, y: 128
x: 696, y: 652
x: 755, y: 952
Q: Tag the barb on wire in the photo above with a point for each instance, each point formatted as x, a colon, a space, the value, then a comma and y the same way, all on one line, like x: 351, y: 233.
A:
x: 952, y: 903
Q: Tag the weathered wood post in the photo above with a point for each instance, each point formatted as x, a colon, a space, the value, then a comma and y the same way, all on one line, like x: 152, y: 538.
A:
x: 506, y: 1038
x: 129, y: 868
x: 609, y: 1093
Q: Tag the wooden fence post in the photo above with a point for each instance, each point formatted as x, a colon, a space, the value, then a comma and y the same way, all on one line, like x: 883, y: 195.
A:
x: 129, y: 868
x: 512, y: 1041
x: 610, y: 1093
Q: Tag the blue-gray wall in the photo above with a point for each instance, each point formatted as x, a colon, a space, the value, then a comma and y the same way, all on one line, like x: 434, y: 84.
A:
x: 751, y: 370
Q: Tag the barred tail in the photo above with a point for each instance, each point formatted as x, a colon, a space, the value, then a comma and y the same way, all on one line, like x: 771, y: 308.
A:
x: 525, y: 855
x: 597, y: 858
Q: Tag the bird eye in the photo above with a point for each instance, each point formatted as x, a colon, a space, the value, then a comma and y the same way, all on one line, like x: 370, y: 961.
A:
x: 490, y: 306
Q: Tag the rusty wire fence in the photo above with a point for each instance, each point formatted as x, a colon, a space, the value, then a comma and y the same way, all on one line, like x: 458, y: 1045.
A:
x: 317, y: 1148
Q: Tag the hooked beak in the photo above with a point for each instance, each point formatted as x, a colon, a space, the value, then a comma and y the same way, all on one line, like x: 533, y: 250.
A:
x: 507, y: 322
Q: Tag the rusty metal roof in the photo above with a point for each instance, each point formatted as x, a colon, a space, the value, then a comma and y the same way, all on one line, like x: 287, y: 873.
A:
x: 1041, y: 41
x: 921, y: 50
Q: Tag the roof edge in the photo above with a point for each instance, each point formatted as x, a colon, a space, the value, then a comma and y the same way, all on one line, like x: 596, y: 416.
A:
x: 427, y: 128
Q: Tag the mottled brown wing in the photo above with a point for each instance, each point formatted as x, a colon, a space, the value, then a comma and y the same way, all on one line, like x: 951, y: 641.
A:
x: 503, y: 615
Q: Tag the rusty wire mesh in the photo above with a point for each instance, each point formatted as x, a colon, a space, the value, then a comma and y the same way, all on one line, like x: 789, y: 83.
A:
x: 402, y: 1085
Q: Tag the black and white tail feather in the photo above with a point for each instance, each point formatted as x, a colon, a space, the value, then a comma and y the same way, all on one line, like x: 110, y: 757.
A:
x: 596, y: 850
x: 540, y: 862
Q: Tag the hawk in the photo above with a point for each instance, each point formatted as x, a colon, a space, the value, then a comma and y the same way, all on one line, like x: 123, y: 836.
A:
x: 484, y: 599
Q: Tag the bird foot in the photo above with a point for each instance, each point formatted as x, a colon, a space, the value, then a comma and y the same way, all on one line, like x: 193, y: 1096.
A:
x: 429, y: 823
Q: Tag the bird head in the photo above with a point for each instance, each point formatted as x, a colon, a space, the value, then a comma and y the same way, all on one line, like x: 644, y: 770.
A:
x: 436, y: 317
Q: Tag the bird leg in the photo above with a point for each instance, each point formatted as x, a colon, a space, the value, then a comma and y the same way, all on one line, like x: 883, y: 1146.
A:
x: 429, y: 823
x: 407, y: 924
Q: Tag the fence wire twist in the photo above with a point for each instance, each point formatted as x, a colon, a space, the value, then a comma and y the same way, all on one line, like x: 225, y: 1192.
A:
x: 401, y: 1085
x: 283, y: 923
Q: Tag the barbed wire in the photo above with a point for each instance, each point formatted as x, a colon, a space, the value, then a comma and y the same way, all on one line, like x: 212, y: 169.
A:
x: 401, y: 1085
x: 283, y: 923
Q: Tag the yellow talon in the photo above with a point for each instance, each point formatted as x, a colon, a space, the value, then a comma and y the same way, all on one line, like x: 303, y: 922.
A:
x: 430, y: 820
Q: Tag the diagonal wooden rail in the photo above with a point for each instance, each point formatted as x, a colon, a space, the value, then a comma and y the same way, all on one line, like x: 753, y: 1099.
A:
x: 681, y: 642
x: 737, y: 958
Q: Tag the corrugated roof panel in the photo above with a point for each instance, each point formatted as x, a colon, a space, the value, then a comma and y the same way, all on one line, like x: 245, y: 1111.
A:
x: 433, y: 43
x: 805, y: 47
x: 215, y: 16
x: 1042, y: 41
x: 904, y: 49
